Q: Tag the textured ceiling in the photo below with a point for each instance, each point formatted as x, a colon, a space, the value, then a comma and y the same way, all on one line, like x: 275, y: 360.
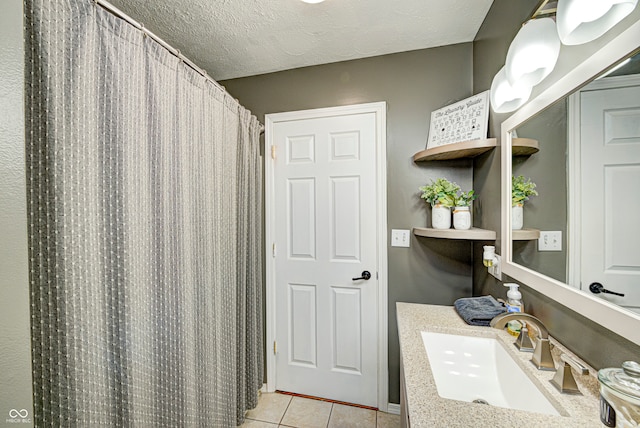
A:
x: 237, y: 38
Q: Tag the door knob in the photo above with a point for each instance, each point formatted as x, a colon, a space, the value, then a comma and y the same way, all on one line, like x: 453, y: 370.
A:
x: 597, y: 288
x: 366, y: 275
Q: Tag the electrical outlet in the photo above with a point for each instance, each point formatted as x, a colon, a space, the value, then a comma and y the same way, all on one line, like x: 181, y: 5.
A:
x: 496, y: 268
x: 550, y: 241
x: 400, y: 238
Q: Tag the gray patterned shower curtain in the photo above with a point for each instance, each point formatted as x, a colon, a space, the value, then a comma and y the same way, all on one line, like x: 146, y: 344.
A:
x: 144, y: 197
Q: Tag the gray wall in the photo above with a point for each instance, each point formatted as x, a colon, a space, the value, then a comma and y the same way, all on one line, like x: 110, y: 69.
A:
x: 15, y: 346
x: 413, y: 84
x: 596, y: 345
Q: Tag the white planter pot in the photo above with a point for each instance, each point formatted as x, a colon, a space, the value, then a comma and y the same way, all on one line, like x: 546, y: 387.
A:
x: 440, y: 217
x: 462, y: 218
x: 517, y: 217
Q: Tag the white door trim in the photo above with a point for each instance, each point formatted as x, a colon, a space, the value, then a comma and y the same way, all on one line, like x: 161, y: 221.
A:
x: 380, y: 111
x: 574, y: 244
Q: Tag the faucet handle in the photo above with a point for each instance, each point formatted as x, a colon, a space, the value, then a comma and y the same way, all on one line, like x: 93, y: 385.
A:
x: 568, y: 359
x: 564, y: 380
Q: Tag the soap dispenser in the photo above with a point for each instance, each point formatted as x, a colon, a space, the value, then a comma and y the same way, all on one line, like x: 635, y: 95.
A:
x: 514, y: 298
x: 514, y: 304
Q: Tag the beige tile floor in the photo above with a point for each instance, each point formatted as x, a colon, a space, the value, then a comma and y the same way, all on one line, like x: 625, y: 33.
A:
x: 279, y: 410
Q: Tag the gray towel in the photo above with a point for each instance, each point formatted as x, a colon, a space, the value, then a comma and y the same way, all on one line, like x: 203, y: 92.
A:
x: 478, y: 310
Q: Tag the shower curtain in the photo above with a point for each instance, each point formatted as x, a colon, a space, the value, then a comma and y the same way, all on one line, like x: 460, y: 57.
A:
x: 144, y: 200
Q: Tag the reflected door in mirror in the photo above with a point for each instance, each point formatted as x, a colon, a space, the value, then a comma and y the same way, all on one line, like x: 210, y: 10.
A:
x: 610, y: 170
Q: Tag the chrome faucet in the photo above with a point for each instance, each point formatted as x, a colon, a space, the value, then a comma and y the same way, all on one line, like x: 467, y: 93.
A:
x: 541, y: 358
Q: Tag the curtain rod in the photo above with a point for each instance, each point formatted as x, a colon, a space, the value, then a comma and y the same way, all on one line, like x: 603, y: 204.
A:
x: 176, y: 52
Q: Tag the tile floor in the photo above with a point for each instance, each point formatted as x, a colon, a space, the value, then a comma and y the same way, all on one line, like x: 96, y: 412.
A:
x: 279, y: 410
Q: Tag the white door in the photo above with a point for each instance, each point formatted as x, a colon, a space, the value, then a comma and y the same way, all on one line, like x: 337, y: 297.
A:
x: 610, y: 170
x: 325, y: 234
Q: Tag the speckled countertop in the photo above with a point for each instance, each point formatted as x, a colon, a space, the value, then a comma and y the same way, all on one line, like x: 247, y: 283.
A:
x: 428, y: 409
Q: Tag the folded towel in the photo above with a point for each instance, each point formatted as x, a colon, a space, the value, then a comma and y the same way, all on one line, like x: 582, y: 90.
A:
x: 478, y: 310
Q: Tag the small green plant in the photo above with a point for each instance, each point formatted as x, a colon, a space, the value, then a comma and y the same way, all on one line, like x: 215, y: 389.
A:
x: 441, y: 191
x: 464, y: 199
x: 521, y: 189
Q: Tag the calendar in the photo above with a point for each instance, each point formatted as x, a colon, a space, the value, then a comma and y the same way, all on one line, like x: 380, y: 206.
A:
x: 463, y: 121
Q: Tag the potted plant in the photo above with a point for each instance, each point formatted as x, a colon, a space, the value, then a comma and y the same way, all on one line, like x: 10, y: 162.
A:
x: 461, y: 212
x: 521, y: 189
x: 441, y: 194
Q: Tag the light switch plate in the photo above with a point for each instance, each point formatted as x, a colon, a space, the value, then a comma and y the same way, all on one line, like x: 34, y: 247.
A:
x: 550, y: 241
x: 400, y: 238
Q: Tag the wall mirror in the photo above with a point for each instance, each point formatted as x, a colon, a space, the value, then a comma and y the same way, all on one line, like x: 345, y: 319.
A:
x: 565, y: 119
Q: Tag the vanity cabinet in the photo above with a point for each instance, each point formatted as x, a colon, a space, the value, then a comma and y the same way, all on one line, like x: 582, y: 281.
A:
x: 468, y: 150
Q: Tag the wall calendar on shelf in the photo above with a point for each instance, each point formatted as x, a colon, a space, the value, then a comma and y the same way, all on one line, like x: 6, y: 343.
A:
x: 465, y: 120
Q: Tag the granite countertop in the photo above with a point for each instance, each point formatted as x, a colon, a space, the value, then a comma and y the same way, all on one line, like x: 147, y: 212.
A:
x: 427, y: 409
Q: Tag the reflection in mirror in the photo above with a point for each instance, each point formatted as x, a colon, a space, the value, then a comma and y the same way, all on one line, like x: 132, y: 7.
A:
x: 588, y: 163
x: 607, y: 139
x: 548, y: 210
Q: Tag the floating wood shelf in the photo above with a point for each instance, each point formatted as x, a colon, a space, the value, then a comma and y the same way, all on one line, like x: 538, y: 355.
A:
x: 524, y: 146
x: 471, y: 149
x: 466, y: 149
x: 525, y: 234
x: 473, y: 234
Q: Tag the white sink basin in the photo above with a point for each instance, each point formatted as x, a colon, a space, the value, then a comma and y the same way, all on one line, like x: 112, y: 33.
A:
x: 473, y: 368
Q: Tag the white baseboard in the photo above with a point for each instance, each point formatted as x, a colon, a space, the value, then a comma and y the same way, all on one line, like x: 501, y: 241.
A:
x: 393, y: 408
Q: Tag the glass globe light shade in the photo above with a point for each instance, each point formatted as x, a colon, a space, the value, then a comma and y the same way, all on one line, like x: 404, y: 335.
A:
x: 533, y: 52
x: 505, y: 97
x: 581, y: 21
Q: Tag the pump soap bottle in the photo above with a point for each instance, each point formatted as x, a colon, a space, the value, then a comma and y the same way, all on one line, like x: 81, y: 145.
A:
x: 514, y: 304
x: 514, y: 298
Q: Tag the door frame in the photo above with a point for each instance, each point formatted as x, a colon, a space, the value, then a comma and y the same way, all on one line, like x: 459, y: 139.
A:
x: 574, y: 168
x: 380, y: 111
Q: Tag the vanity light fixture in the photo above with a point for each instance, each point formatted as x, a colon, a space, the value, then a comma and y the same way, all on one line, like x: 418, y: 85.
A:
x: 313, y: 1
x: 533, y: 53
x: 506, y: 97
x: 581, y: 21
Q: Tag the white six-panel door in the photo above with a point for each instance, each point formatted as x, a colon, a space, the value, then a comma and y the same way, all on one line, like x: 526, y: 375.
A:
x: 325, y: 234
x: 610, y: 151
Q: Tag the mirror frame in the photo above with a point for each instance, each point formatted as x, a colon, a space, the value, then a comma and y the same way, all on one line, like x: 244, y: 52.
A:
x: 621, y: 321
